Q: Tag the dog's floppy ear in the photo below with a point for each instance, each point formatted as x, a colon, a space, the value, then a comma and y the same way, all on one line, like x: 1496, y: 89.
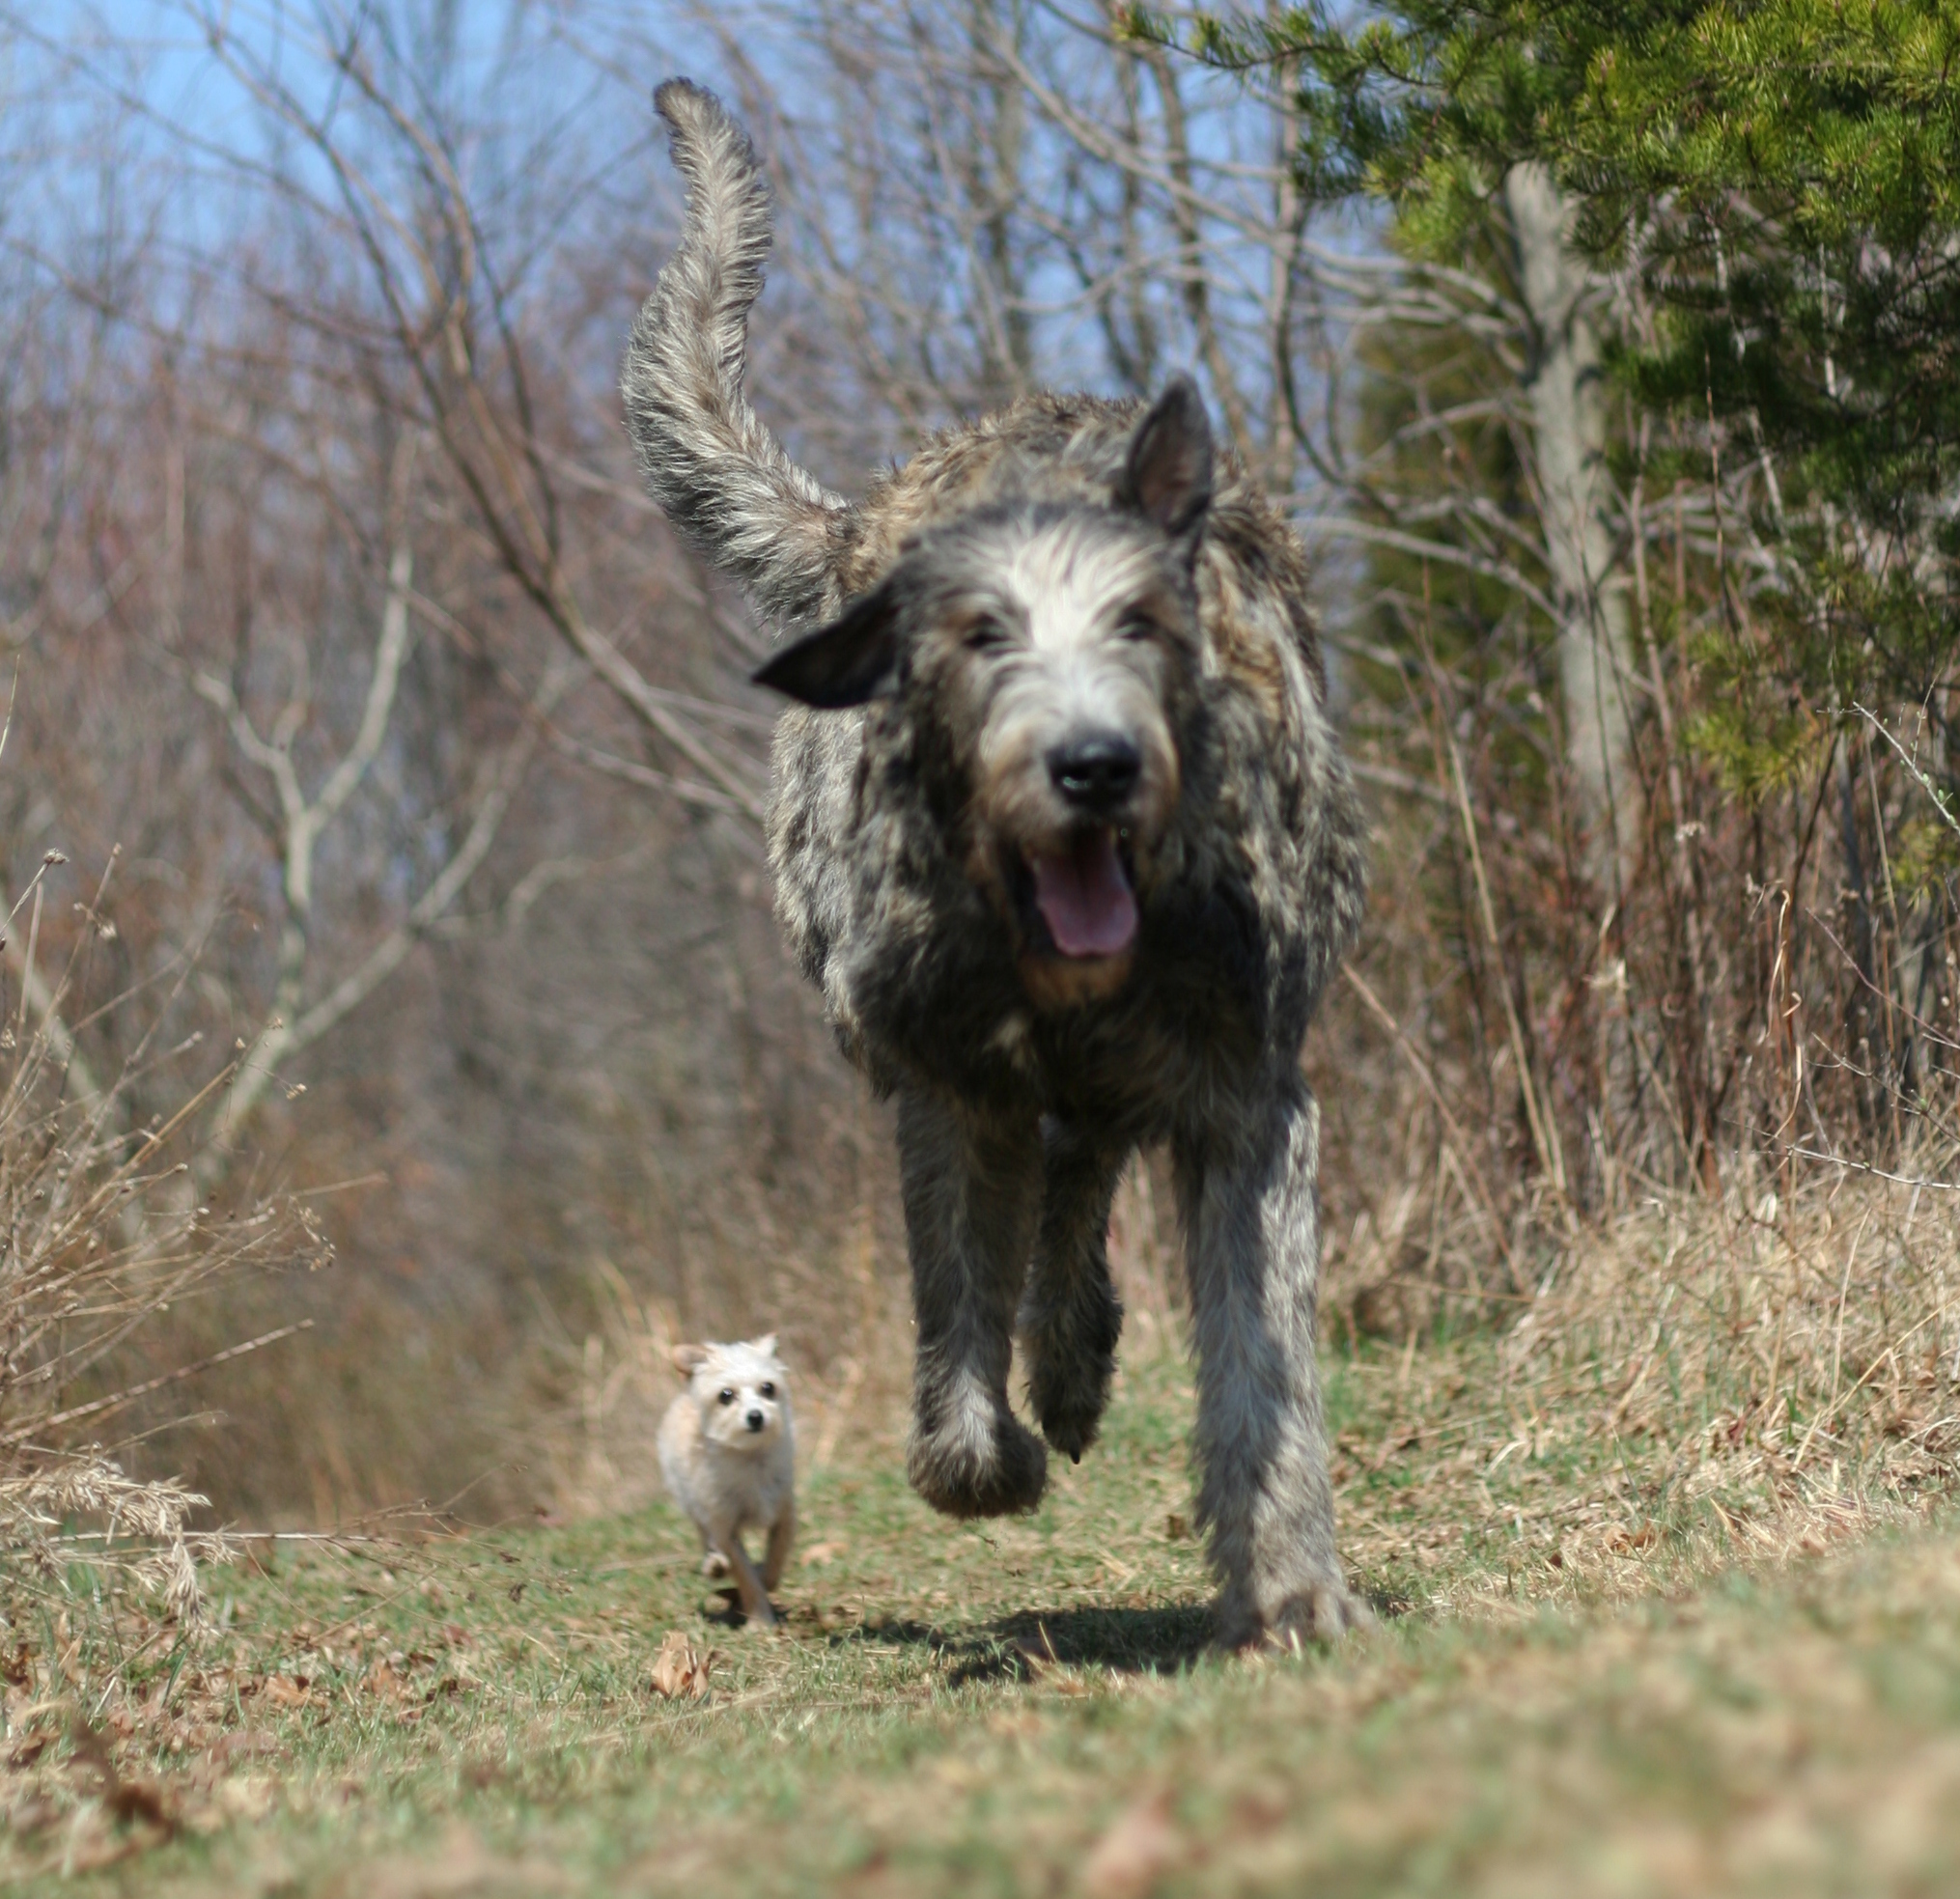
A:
x: 688, y: 1358
x: 1168, y: 475
x: 851, y: 660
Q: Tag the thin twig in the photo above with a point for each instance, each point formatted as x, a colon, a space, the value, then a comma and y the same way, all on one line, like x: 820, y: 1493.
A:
x: 116, y: 1400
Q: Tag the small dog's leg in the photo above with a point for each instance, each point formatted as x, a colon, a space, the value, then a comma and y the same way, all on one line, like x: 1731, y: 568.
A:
x: 755, y: 1601
x: 1070, y: 1317
x: 971, y: 1194
x: 781, y: 1533
x: 1251, y: 1213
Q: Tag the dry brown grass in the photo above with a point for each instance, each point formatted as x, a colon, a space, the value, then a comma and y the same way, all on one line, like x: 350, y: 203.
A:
x: 100, y: 1233
x: 1696, y: 1383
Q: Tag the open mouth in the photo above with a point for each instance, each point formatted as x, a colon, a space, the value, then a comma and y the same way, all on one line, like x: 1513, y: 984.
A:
x: 1083, y: 893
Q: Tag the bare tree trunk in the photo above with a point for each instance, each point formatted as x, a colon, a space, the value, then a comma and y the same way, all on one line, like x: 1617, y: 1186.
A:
x: 1569, y: 427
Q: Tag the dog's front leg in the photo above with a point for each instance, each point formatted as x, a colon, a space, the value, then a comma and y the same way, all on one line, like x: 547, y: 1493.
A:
x: 781, y: 1533
x: 971, y: 1184
x: 755, y: 1601
x: 1070, y: 1317
x: 1252, y: 1219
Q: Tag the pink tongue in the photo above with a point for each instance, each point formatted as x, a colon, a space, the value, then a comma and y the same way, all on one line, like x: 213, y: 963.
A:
x: 1085, y: 898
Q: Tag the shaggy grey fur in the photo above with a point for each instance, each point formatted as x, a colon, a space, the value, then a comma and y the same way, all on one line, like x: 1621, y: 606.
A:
x: 704, y: 458
x: 1063, y: 831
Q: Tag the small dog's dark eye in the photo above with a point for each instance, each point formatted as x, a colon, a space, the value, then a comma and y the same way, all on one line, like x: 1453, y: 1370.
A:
x: 767, y: 1390
x: 1137, y: 627
x: 986, y: 637
x: 728, y: 1394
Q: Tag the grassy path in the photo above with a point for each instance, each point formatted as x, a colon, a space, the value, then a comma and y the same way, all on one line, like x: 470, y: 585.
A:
x: 1027, y: 1707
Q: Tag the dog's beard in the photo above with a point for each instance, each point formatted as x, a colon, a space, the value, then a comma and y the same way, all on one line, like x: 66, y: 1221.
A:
x: 1083, y: 895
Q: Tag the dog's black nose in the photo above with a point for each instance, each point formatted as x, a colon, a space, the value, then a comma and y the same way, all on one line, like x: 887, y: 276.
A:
x: 754, y: 1420
x: 1096, y: 770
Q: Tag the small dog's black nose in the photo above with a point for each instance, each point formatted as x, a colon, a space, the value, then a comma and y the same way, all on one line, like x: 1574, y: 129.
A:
x: 1096, y: 770
x: 754, y: 1420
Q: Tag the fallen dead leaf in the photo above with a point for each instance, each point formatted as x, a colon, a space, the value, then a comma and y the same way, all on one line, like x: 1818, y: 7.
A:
x: 240, y: 1745
x: 132, y: 1801
x: 1140, y: 1846
x: 461, y: 1865
x: 29, y: 1816
x: 246, y: 1796
x: 680, y: 1668
x: 93, y: 1849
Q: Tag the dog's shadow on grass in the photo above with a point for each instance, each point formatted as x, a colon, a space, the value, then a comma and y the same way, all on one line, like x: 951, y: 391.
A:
x: 1023, y: 1647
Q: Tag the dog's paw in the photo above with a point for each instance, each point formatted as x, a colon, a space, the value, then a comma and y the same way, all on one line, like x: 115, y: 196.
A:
x: 715, y: 1566
x: 1319, y: 1614
x: 1003, y: 1478
x: 1069, y: 1414
x: 1322, y: 1615
x: 1071, y: 1356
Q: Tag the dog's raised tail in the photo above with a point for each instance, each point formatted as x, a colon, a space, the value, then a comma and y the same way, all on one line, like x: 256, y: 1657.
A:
x: 724, y: 480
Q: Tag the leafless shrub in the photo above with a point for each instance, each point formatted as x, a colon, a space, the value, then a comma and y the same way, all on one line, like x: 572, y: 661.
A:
x: 1781, y: 1351
x: 1694, y: 1382
x: 100, y: 1232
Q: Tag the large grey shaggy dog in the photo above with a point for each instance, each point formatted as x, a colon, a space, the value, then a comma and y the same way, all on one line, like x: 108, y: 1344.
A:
x: 1061, y: 829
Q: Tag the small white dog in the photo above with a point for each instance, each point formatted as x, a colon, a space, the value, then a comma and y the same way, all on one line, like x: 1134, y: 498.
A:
x: 729, y: 1458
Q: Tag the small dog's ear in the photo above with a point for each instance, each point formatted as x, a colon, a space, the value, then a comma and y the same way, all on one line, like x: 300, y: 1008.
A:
x: 688, y: 1358
x: 851, y: 662
x: 767, y: 1345
x: 1168, y: 475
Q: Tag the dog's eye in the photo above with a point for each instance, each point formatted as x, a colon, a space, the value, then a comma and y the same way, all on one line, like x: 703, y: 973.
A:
x: 767, y: 1390
x: 1138, y: 627
x: 728, y: 1394
x: 986, y: 637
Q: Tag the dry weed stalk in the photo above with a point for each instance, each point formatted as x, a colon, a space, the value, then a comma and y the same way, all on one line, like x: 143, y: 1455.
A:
x: 100, y: 1231
x: 38, y: 1508
x: 596, y: 1441
x: 1788, y: 1352
x: 1692, y: 1381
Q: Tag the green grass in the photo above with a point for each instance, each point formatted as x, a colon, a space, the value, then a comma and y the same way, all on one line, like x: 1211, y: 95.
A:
x: 1028, y: 1706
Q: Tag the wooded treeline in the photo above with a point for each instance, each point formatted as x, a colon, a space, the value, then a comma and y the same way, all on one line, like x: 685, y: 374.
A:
x: 1601, y: 354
